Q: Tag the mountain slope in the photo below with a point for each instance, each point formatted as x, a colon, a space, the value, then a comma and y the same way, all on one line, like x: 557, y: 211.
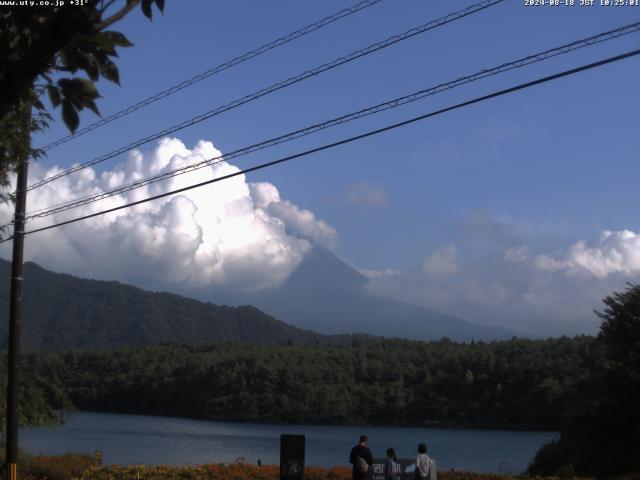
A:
x: 322, y: 294
x: 62, y: 311
x: 325, y: 294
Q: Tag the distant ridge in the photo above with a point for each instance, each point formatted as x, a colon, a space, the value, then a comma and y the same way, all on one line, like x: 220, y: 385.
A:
x: 327, y: 295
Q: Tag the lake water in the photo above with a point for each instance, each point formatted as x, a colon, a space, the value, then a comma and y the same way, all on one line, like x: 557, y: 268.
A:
x: 138, y: 439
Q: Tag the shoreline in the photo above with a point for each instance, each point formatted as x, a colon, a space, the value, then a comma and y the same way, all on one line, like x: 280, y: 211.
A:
x: 429, y: 425
x: 130, y: 439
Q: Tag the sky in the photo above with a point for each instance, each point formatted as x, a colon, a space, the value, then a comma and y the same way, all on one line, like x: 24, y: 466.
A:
x: 518, y: 211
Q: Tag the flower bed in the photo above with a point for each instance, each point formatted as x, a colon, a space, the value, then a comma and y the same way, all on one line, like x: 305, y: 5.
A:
x: 80, y: 467
x: 232, y: 471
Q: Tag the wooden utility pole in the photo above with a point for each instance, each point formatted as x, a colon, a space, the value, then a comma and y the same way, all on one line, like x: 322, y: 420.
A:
x: 15, y: 314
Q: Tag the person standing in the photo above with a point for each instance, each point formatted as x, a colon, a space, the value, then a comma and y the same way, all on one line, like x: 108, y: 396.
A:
x: 423, y: 462
x: 361, y: 458
x: 391, y: 465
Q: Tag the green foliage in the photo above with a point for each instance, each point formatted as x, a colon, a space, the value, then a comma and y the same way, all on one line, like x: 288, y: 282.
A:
x: 392, y: 382
x: 603, y: 435
x: 16, y: 127
x: 44, y: 42
x: 41, y: 402
x: 550, y: 460
x: 42, y: 48
x: 620, y: 334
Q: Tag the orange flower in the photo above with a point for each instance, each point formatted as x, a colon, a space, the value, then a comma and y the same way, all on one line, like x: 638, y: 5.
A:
x: 78, y: 467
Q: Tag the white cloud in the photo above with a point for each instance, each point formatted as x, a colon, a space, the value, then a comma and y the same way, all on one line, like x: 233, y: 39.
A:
x: 542, y: 294
x: 374, y: 274
x: 517, y: 254
x: 296, y: 220
x: 442, y: 262
x: 231, y: 234
x: 614, y: 252
x: 367, y: 195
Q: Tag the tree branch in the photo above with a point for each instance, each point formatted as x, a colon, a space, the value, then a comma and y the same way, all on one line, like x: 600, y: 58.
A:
x: 104, y: 8
x: 119, y: 15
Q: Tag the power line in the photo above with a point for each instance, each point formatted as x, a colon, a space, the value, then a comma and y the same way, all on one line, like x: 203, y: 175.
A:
x: 278, y: 86
x: 396, y: 102
x: 215, y: 70
x: 261, y: 166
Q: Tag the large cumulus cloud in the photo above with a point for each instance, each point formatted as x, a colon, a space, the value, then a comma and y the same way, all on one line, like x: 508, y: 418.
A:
x: 231, y: 234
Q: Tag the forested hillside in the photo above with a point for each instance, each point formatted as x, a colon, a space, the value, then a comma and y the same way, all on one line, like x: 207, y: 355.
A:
x: 510, y: 384
x: 62, y: 311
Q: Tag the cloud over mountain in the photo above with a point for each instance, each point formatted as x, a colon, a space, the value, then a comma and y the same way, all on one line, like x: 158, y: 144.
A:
x: 241, y: 237
x: 231, y: 234
x: 442, y: 262
x: 543, y: 293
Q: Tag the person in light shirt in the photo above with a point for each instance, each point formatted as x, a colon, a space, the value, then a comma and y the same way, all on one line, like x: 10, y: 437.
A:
x: 423, y: 462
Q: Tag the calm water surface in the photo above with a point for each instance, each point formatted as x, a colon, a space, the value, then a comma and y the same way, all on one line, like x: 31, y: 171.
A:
x: 138, y: 439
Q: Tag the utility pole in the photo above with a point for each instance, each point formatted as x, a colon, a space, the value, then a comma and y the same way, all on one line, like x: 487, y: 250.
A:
x: 15, y: 316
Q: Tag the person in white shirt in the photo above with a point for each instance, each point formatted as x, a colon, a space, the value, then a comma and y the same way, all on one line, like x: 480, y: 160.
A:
x: 423, y: 462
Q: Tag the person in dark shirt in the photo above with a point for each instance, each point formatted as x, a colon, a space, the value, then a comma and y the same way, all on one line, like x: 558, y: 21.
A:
x: 391, y: 465
x: 361, y: 450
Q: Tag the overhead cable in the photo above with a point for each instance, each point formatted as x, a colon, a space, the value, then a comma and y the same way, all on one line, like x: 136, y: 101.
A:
x: 362, y: 136
x: 278, y: 86
x: 215, y: 70
x: 389, y: 104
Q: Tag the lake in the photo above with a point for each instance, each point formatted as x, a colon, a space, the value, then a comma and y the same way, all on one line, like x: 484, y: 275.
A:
x: 139, y: 439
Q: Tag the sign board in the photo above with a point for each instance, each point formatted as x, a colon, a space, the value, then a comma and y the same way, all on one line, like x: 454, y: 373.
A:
x: 406, y: 469
x: 292, y: 453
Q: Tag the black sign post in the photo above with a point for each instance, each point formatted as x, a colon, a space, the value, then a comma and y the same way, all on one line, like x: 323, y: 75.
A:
x: 292, y: 449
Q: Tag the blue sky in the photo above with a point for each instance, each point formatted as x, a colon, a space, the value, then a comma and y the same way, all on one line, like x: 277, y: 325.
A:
x: 544, y: 167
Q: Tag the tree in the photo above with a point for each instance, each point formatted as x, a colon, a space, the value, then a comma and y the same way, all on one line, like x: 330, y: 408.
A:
x: 620, y: 335
x: 42, y: 402
x: 42, y: 48
x: 616, y: 425
x: 603, y: 436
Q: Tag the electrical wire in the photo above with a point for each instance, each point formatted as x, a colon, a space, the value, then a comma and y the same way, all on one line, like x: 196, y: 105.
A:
x: 371, y: 133
x: 278, y: 86
x: 215, y: 70
x: 394, y: 103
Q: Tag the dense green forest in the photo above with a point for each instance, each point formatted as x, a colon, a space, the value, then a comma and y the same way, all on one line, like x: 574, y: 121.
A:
x: 510, y: 384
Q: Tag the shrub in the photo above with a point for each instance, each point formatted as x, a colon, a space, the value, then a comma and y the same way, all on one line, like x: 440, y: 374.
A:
x: 551, y: 459
x: 63, y: 467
